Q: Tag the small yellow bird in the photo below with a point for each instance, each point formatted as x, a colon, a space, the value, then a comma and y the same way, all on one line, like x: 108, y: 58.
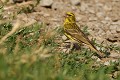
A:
x: 73, y: 32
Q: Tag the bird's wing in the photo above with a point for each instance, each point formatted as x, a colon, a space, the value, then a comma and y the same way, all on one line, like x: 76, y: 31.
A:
x: 77, y: 34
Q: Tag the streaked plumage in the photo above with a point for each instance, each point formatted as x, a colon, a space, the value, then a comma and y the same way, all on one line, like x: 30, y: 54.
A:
x: 73, y: 32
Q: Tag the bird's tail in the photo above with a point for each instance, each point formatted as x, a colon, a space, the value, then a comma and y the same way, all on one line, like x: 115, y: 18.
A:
x: 92, y: 47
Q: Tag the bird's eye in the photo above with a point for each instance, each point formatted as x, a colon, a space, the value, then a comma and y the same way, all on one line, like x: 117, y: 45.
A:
x: 69, y: 15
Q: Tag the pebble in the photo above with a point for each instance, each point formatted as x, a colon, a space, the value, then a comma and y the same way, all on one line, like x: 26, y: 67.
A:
x: 100, y: 15
x: 46, y: 14
x: 75, y: 2
x: 83, y: 6
x: 58, y: 6
x: 91, y: 10
x: 80, y: 17
x: 18, y: 1
x: 116, y: 74
x: 113, y: 27
x: 108, y: 19
x: 46, y: 3
x: 64, y: 37
x: 98, y: 60
x: 117, y: 22
x: 113, y: 31
x: 108, y: 32
x: 92, y: 18
x: 107, y: 7
x: 114, y: 54
x: 118, y: 30
x: 107, y: 63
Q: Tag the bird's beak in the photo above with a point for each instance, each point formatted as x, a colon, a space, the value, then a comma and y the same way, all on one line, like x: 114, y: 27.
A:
x: 65, y: 16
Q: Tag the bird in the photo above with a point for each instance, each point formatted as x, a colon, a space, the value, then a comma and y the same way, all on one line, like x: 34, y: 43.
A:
x: 74, y: 33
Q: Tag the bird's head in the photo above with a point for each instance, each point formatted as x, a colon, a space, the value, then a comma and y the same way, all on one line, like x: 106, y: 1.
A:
x: 70, y: 17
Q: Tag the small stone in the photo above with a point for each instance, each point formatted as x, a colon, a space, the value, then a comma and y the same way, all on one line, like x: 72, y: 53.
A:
x: 98, y: 60
x: 111, y: 39
x: 55, y: 20
x: 117, y: 22
x: 100, y: 15
x: 118, y: 44
x: 74, y: 8
x: 66, y: 50
x: 104, y: 21
x: 108, y: 32
x: 113, y: 31
x: 75, y: 2
x: 91, y: 10
x: 116, y: 74
x: 108, y: 19
x: 92, y: 18
x: 83, y: 6
x: 94, y: 57
x: 115, y: 18
x: 46, y: 3
x: 107, y: 63
x: 114, y: 54
x: 46, y: 15
x: 64, y: 37
x: 107, y: 7
x: 113, y: 27
x: 58, y: 5
x: 99, y: 4
x: 118, y: 30
x: 18, y: 1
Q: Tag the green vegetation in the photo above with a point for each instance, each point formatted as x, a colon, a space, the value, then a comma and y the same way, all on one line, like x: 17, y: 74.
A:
x: 29, y: 54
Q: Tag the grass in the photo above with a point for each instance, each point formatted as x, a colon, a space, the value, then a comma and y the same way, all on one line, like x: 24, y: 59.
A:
x: 32, y: 53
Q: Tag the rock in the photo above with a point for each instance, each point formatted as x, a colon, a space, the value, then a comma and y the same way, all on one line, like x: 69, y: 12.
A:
x: 91, y: 10
x: 58, y: 6
x: 80, y: 17
x: 108, y: 33
x: 64, y: 37
x: 92, y: 18
x: 18, y: 1
x: 74, y: 8
x: 94, y: 57
x: 83, y: 6
x: 113, y: 27
x: 107, y: 7
x: 104, y: 21
x: 55, y: 20
x: 46, y: 14
x: 98, y: 60
x: 46, y: 3
x: 118, y: 44
x: 116, y: 22
x: 111, y: 39
x: 108, y: 19
x: 100, y: 15
x: 114, y: 55
x: 107, y: 63
x: 115, y: 75
x: 75, y: 2
x: 118, y: 30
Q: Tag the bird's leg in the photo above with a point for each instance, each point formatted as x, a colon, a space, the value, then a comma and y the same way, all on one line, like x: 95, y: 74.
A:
x: 71, y: 45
